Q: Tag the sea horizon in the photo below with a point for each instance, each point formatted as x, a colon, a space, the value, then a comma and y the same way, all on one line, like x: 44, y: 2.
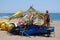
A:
x: 54, y: 16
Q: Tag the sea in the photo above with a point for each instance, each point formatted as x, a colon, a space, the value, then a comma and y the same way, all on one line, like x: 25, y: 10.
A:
x: 54, y: 16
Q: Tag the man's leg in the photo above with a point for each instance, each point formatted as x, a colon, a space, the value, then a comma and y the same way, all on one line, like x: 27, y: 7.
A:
x: 48, y: 29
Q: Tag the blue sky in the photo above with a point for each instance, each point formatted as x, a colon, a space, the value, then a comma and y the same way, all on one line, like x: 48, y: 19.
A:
x: 11, y: 6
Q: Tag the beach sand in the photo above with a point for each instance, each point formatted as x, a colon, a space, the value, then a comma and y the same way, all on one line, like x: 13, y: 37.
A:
x: 6, y: 36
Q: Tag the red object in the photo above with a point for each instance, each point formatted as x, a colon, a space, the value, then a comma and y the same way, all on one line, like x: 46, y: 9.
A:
x: 20, y: 22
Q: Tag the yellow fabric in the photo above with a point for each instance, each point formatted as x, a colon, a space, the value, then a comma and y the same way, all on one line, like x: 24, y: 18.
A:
x: 6, y: 20
x: 3, y: 27
x: 1, y: 23
x: 17, y: 13
x: 10, y: 26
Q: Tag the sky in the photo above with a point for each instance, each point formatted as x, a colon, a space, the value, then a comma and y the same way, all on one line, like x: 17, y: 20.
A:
x: 11, y: 6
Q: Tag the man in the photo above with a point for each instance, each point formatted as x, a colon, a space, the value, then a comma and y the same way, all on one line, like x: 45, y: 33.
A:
x: 47, y: 16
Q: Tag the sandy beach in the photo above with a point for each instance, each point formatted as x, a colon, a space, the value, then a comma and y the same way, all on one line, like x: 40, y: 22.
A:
x: 6, y: 36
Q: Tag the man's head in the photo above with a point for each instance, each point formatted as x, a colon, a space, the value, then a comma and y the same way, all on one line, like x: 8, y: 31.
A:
x: 47, y: 11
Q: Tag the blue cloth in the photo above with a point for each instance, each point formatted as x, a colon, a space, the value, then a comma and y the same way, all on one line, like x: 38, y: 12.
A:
x: 33, y: 30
